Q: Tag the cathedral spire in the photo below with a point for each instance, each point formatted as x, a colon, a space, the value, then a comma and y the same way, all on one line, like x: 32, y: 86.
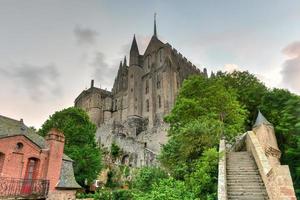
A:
x: 155, y: 32
x: 125, y: 61
x: 134, y: 53
x: 134, y: 47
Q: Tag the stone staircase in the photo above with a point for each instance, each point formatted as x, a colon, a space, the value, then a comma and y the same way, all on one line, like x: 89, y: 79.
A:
x: 243, y: 178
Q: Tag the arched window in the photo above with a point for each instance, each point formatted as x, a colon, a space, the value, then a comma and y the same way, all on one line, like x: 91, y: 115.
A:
x: 116, y: 104
x: 2, y: 158
x: 125, y: 160
x: 160, y: 55
x: 30, y: 174
x: 147, y: 105
x: 149, y: 61
x: 159, y: 101
x: 32, y: 168
x: 158, y: 83
x: 147, y: 86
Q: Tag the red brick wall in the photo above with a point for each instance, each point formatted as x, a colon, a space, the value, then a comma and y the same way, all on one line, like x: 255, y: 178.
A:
x: 16, y: 160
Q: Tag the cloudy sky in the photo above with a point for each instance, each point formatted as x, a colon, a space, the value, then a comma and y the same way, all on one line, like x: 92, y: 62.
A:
x: 51, y: 49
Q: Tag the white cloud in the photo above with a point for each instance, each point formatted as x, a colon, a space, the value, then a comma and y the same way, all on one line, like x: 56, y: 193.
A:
x: 38, y: 82
x: 231, y: 67
x: 291, y: 67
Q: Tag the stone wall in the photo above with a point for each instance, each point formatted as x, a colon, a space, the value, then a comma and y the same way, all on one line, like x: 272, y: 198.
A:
x: 62, y: 195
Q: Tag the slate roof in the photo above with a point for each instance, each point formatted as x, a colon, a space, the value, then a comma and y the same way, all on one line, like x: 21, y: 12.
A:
x: 11, y: 127
x: 261, y: 120
x: 67, y: 179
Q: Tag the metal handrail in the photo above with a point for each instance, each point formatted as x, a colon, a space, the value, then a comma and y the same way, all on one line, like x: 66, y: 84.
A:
x: 29, y: 188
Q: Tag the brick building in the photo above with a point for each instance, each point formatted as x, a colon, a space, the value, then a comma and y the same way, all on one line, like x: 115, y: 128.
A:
x: 32, y: 166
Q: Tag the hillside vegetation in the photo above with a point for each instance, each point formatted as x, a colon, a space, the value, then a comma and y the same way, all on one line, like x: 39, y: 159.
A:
x: 207, y: 109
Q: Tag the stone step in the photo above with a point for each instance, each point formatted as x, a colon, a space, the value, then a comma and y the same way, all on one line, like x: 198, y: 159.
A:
x: 248, y: 198
x: 245, y: 188
x: 258, y: 190
x: 242, y: 168
x: 244, y: 178
x: 247, y: 193
x: 242, y: 174
x: 240, y: 163
x: 239, y: 157
x: 242, y: 171
x: 244, y: 184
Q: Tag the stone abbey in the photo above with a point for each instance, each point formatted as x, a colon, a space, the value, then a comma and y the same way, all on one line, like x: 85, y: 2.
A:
x: 144, y: 91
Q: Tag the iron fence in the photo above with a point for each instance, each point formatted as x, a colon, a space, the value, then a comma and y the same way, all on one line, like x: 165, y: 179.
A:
x: 26, y: 188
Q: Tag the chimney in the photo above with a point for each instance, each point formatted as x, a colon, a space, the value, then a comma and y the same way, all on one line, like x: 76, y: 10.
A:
x: 56, y: 141
x: 92, y: 83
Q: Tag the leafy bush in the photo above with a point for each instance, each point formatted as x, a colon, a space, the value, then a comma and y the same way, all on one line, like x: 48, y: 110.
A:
x: 121, y: 195
x: 147, y: 176
x: 167, y: 189
x: 203, y: 180
x: 115, y: 150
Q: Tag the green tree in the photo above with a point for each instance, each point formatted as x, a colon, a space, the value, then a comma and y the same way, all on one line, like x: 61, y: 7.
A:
x: 167, y: 189
x: 203, y: 181
x: 249, y: 90
x: 80, y: 142
x: 148, y: 176
x: 207, y: 97
x: 205, y: 109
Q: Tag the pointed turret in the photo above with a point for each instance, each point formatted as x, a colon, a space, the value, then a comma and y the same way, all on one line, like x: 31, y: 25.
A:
x: 125, y: 62
x: 155, y: 32
x: 134, y: 47
x: 265, y: 133
x: 205, y: 72
x: 261, y: 120
x: 120, y: 64
x: 134, y: 53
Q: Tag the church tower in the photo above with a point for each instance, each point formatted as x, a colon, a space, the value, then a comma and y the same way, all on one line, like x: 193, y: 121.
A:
x: 135, y: 72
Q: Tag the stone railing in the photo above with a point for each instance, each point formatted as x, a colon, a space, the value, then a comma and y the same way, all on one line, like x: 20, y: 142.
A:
x: 222, y: 183
x: 277, y: 179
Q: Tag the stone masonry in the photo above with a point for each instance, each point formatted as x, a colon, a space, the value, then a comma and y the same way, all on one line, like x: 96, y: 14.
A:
x: 144, y: 91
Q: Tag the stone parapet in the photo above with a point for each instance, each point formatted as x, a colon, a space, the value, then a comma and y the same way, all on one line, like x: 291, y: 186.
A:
x: 222, y: 184
x: 277, y: 179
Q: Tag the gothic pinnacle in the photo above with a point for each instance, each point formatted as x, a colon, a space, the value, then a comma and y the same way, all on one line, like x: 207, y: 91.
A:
x: 134, y: 47
x: 155, y: 32
x: 125, y: 61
